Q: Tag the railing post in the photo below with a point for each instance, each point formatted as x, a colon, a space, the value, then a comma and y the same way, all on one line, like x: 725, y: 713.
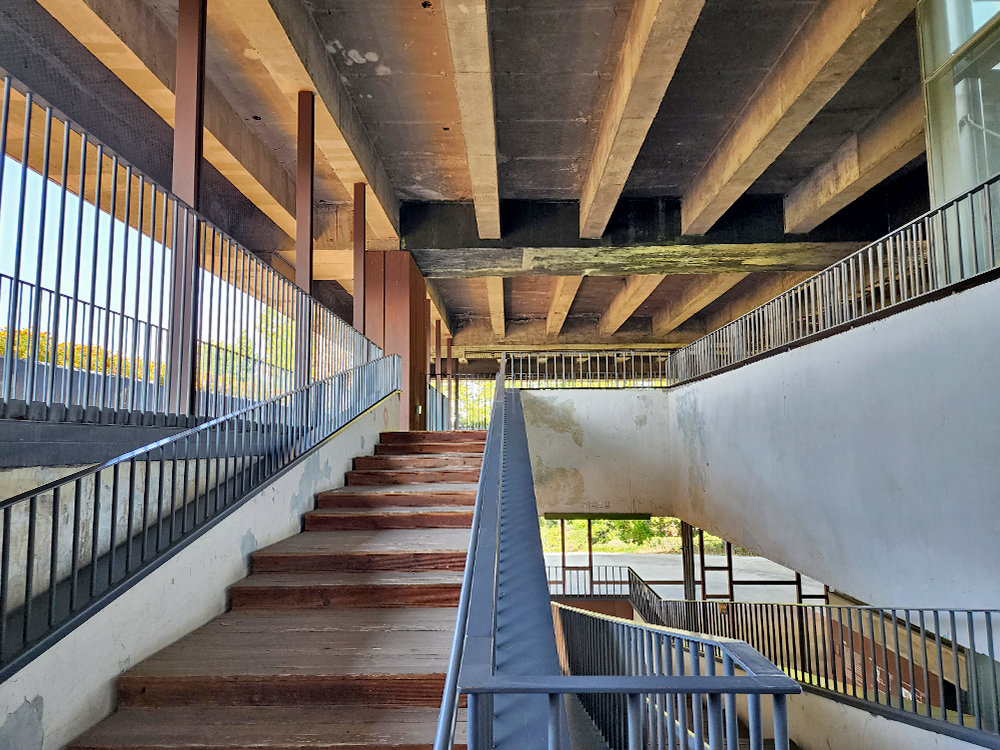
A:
x: 555, y: 721
x: 732, y: 720
x: 780, y: 721
x: 753, y: 722
x: 634, y: 709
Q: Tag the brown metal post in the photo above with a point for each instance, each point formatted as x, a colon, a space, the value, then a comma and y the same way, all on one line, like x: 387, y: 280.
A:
x: 701, y: 557
x: 450, y: 365
x: 590, y: 554
x: 188, y: 126
x: 304, y: 170
x: 687, y: 558
x: 729, y: 565
x: 189, y: 92
x: 359, y: 256
x: 455, y: 384
x: 562, y: 533
x: 437, y: 354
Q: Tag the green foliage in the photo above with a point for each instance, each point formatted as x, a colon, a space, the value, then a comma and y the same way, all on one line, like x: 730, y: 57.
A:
x: 660, y: 535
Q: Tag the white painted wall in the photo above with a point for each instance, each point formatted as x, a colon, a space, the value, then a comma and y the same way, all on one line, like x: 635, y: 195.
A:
x: 71, y: 686
x: 867, y: 460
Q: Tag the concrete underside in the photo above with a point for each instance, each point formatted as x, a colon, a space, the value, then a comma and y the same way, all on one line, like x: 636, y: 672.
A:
x: 865, y: 460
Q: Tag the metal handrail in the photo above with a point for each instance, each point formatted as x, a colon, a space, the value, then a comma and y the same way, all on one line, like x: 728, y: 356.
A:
x: 472, y: 664
x: 122, y: 270
x: 935, y: 668
x: 73, y: 545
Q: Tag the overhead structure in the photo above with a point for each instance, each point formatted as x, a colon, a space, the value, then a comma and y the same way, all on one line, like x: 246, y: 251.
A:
x: 494, y: 293
x: 839, y: 37
x: 633, y: 293
x: 890, y: 142
x: 562, y: 301
x: 658, y: 31
x: 468, y: 37
x: 699, y: 293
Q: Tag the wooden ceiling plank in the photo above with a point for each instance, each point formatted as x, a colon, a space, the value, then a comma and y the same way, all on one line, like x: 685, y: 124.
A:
x: 890, y: 142
x: 633, y: 293
x: 763, y: 287
x: 695, y: 297
x: 562, y: 301
x: 839, y: 37
x: 657, y: 33
x: 468, y: 37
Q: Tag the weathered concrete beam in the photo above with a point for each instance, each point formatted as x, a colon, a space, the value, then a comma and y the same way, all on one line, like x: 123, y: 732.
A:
x: 530, y: 335
x: 693, y: 299
x: 657, y: 33
x: 755, y: 291
x: 136, y: 45
x: 494, y: 294
x: 633, y: 293
x: 822, y: 57
x: 469, y: 39
x: 562, y: 301
x: 890, y: 142
x: 285, y: 36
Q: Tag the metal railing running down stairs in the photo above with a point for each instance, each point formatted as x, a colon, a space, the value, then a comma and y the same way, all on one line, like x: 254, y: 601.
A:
x: 933, y: 668
x: 644, y: 686
x: 69, y: 547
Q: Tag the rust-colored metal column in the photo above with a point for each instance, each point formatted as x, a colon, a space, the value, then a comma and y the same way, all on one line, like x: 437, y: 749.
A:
x: 359, y: 256
x: 454, y: 384
x: 189, y: 91
x: 304, y: 170
x: 437, y: 354
x: 449, y: 364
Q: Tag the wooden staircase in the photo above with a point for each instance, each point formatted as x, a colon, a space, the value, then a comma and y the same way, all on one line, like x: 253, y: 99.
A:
x: 340, y: 637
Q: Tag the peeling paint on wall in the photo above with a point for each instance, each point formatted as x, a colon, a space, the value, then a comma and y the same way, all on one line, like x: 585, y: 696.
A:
x: 557, y: 486
x: 690, y: 421
x: 22, y: 730
x: 558, y: 417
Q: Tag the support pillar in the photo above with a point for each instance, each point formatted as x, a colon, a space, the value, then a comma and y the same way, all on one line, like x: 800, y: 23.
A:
x: 374, y: 297
x: 450, y: 366
x: 187, y: 155
x: 304, y: 170
x: 687, y: 559
x: 359, y: 257
x: 404, y: 330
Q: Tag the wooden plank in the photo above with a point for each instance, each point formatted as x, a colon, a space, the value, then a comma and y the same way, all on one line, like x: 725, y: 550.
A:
x: 562, y: 301
x: 657, y: 33
x: 469, y: 39
x: 350, y: 727
x: 397, y: 496
x: 422, y: 461
x: 822, y: 57
x: 326, y: 589
x: 412, y: 476
x: 426, y: 549
x: 433, y: 436
x: 695, y: 297
x: 890, y: 142
x: 333, y: 519
x: 633, y: 293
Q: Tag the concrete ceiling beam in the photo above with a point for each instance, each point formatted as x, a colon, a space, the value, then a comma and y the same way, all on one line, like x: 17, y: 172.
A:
x: 529, y: 335
x: 469, y: 39
x: 635, y: 290
x: 657, y: 33
x: 135, y: 45
x: 284, y: 36
x: 890, y: 142
x: 494, y: 294
x: 698, y: 295
x: 822, y: 57
x: 562, y: 301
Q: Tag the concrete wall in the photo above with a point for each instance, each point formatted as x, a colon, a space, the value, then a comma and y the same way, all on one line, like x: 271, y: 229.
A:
x: 71, y: 686
x: 866, y: 460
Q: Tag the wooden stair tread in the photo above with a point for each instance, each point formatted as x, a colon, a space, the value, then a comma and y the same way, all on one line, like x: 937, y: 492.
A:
x: 259, y: 727
x: 419, y: 461
x: 432, y: 436
x: 370, y: 541
x: 413, y: 449
x: 458, y: 510
x: 328, y: 578
x: 253, y: 643
x: 449, y: 488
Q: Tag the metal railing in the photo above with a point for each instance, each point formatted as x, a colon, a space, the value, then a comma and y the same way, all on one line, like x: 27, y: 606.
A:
x: 943, y: 248
x: 644, y: 686
x: 935, y: 668
x: 601, y: 580
x: 70, y: 546
x: 117, y: 300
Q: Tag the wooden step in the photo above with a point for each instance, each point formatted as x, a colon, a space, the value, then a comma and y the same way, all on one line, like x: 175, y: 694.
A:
x: 413, y: 476
x: 430, y: 436
x: 420, y: 461
x: 391, y: 549
x: 412, y: 496
x: 289, y: 657
x: 271, y: 727
x: 412, y: 449
x: 342, y: 519
x: 339, y: 589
